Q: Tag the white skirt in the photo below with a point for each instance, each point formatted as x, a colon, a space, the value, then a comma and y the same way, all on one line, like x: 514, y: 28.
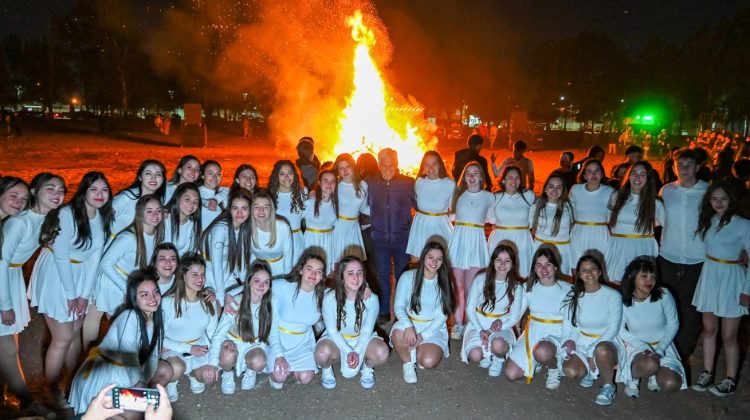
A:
x: 423, y: 228
x: 624, y: 250
x: 298, y: 244
x: 472, y: 340
x: 584, y: 238
x: 670, y: 360
x: 719, y: 288
x: 347, y: 240
x: 583, y: 347
x: 94, y: 374
x: 109, y: 297
x: 536, y: 332
x: 468, y: 248
x: 564, y: 251
x: 46, y: 289
x: 191, y: 362
x: 346, y: 371
x: 299, y: 350
x: 523, y: 241
x: 19, y: 303
x: 321, y: 242
x: 439, y: 338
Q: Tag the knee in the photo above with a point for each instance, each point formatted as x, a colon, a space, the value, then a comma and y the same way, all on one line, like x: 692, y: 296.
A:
x: 728, y: 337
x: 164, y: 373
x: 651, y: 366
x: 305, y: 377
x: 571, y: 371
x: 512, y: 372
x: 544, y: 352
x: 475, y: 354
x: 257, y: 363
x: 671, y: 383
x: 278, y: 377
x: 381, y: 353
x: 227, y: 359
x: 500, y: 347
x: 429, y: 361
x: 604, y: 351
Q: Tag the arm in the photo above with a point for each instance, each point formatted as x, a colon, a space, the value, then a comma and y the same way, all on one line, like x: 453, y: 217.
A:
x: 62, y: 247
x: 118, y: 249
x: 329, y: 319
x: 168, y: 312
x: 530, y: 176
x: 673, y: 322
x: 437, y: 322
x: 288, y: 251
x: 218, y: 338
x: 474, y: 300
x: 273, y: 336
x: 630, y: 339
x: 368, y: 323
x: 516, y: 309
x: 364, y: 208
x: 13, y: 233
x: 403, y: 295
x: 614, y: 322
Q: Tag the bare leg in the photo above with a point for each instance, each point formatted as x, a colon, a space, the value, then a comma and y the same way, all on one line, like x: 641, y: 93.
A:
x: 429, y: 355
x: 228, y: 356
x: 574, y: 368
x: 377, y: 353
x: 91, y: 326
x: 512, y: 371
x: 476, y: 354
x: 710, y: 331
x: 304, y: 377
x: 63, y: 349
x: 164, y: 373
x: 459, y: 277
x: 729, y: 329
x: 397, y: 338
x: 668, y: 380
x: 643, y: 366
x: 499, y: 347
x: 326, y: 352
x: 255, y: 360
x: 605, y: 355
x: 10, y: 367
x: 545, y: 353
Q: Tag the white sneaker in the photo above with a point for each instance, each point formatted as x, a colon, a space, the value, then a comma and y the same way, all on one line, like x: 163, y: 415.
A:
x: 652, y: 384
x: 328, y: 380
x: 248, y: 380
x: 485, y: 362
x: 553, y: 379
x: 632, y: 388
x: 496, y: 367
x: 172, y: 391
x: 457, y: 333
x: 587, y: 381
x: 410, y: 373
x: 275, y: 385
x: 606, y: 395
x: 227, y: 383
x: 367, y: 377
x: 196, y: 386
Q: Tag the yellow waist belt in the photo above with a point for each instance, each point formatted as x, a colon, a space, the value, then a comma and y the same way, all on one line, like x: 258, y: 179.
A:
x: 476, y: 225
x: 528, y: 346
x: 547, y: 241
x: 271, y: 261
x: 351, y: 219
x: 93, y: 354
x: 490, y: 315
x: 72, y: 261
x: 121, y: 271
x: 195, y: 340
x: 653, y: 343
x: 238, y: 338
x: 319, y: 230
x: 296, y: 230
x: 719, y: 260
x: 592, y: 335
x: 511, y: 227
x: 631, y: 235
x: 15, y: 265
x: 290, y: 332
x: 419, y: 320
x: 350, y: 336
x: 578, y: 222
x: 427, y: 213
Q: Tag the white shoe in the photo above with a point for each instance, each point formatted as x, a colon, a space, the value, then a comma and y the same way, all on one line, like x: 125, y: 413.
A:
x: 553, y: 379
x: 275, y: 385
x: 227, y: 383
x: 172, y: 391
x: 496, y: 367
x: 587, y: 381
x: 457, y: 333
x: 367, y: 377
x: 248, y: 380
x: 652, y: 384
x: 410, y: 373
x: 328, y: 380
x: 485, y: 362
x: 633, y: 389
x: 196, y: 387
x: 606, y: 395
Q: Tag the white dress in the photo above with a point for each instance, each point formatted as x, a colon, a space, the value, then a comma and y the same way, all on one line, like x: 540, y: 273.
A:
x: 319, y: 230
x: 20, y: 241
x: 722, y: 278
x: 481, y: 318
x: 512, y: 224
x: 218, y: 277
x: 70, y: 271
x: 114, y: 361
x: 164, y: 287
x: 468, y: 246
x: 185, y: 241
x: 590, y: 230
x: 624, y: 249
x: 347, y: 236
x: 348, y: 339
x: 227, y: 330
x: 221, y: 195
x: 297, y: 313
x: 430, y: 321
x: 118, y: 261
x: 650, y: 326
x: 598, y: 320
x: 169, y: 190
x: 195, y: 327
x: 123, y: 205
x: 432, y: 217
x: 543, y: 323
x: 543, y: 234
x: 278, y: 256
x: 284, y: 208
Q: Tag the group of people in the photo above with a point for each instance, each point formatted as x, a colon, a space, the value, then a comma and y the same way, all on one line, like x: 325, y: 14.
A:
x: 218, y: 283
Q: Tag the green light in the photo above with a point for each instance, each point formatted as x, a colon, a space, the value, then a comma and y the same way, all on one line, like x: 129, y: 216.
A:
x: 648, y: 118
x: 637, y: 117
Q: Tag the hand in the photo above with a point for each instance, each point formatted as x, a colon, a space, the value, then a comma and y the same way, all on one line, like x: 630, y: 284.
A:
x: 352, y: 360
x: 281, y: 366
x: 410, y: 337
x: 198, y: 350
x: 8, y: 317
x: 211, y: 374
x: 367, y: 293
x: 209, y: 295
x: 743, y: 257
x: 311, y: 194
x: 592, y: 365
x: 212, y: 204
x: 83, y: 305
x: 73, y: 307
x: 101, y: 406
x: 744, y: 300
x: 164, y: 412
x: 229, y: 305
x: 569, y: 346
x: 485, y: 336
x: 496, y: 326
x: 228, y: 347
x: 419, y: 340
x: 493, y: 157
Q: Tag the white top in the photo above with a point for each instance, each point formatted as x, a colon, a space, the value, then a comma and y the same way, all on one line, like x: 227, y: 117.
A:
x: 164, y: 287
x: 349, y: 205
x: 369, y: 317
x: 545, y: 302
x: 430, y: 299
x: 650, y: 325
x: 169, y: 190
x: 434, y: 195
x: 185, y: 242
x: 511, y: 210
x: 679, y: 243
x: 284, y: 208
x: 283, y: 248
x: 628, y: 216
x: 221, y: 195
x: 509, y: 314
x: 218, y: 277
x: 326, y: 215
x: 729, y: 241
x: 475, y: 207
x: 590, y: 206
x: 196, y: 326
x: 119, y: 260
x: 546, y: 223
x: 123, y: 340
x: 295, y: 313
x: 20, y: 241
x: 599, y: 313
x: 123, y: 205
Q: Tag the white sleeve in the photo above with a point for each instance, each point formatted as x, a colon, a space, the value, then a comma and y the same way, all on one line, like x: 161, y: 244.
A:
x: 288, y: 251
x: 273, y: 336
x: 660, y: 213
x: 93, y: 269
x: 118, y: 249
x: 490, y: 217
x: 329, y: 319
x: 372, y: 308
x: 614, y: 321
x: 746, y: 286
x: 169, y: 314
x: 216, y: 244
x: 219, y: 336
x: 673, y: 322
x: 402, y: 299
x: 14, y: 230
x: 62, y: 246
x: 629, y: 338
x: 474, y: 299
x: 364, y: 208
x: 569, y: 331
x: 516, y: 309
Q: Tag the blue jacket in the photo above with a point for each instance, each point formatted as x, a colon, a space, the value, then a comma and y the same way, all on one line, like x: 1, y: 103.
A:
x: 391, y: 203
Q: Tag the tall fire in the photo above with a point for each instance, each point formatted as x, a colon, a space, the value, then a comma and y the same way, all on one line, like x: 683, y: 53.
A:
x: 371, y: 121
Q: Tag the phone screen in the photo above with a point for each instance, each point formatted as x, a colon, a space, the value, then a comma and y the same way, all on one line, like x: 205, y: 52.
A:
x: 136, y: 399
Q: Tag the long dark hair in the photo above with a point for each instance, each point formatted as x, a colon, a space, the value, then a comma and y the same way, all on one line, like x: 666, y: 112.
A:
x: 295, y: 276
x: 178, y: 287
x: 442, y: 172
x: 178, y: 169
x: 136, y: 229
x: 356, y: 176
x: 443, y: 279
x: 145, y: 347
x: 562, y: 204
x: 707, y: 211
x: 319, y: 193
x: 273, y: 186
x: 238, y: 246
x: 35, y: 187
x: 549, y: 253
x: 590, y: 161
x: 488, y: 291
x: 205, y: 166
x: 504, y: 175
x: 136, y: 184
x: 238, y: 171
x: 642, y: 264
x: 647, y: 202
x: 462, y: 186
x: 340, y: 290
x: 51, y: 225
x: 579, y: 288
x: 6, y: 183
x: 173, y: 208
x: 245, y: 311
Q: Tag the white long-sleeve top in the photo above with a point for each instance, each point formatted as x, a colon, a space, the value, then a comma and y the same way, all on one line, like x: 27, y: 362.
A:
x: 364, y: 334
x: 599, y: 314
x: 728, y: 243
x: 119, y: 260
x: 65, y: 251
x: 20, y: 241
x: 512, y: 210
x: 628, y: 216
x: 280, y: 256
x: 482, y: 318
x: 123, y: 340
x: 123, y: 205
x: 284, y: 208
x: 221, y: 195
x: 185, y: 241
x: 195, y: 327
x: 430, y: 299
x: 679, y: 243
x: 295, y: 313
x: 650, y: 325
x: 546, y: 223
x: 590, y: 206
x: 218, y: 277
x: 326, y: 215
x: 434, y: 195
x: 475, y: 208
x: 349, y: 204
x: 545, y: 302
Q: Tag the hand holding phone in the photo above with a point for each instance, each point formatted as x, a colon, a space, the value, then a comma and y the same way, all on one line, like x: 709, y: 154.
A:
x: 135, y: 399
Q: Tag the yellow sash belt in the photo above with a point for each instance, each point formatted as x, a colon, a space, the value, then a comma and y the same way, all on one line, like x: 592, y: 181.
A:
x: 469, y: 224
x: 719, y: 260
x: 319, y: 230
x: 427, y: 213
x: 526, y: 339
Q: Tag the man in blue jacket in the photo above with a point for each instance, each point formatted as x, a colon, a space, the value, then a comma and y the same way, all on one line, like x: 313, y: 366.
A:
x: 391, y: 198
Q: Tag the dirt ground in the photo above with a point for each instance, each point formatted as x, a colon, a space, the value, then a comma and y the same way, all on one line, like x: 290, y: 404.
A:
x: 453, y: 390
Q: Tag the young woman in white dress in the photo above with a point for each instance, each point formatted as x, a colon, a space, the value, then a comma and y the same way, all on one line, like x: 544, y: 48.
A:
x: 539, y: 344
x: 635, y: 210
x: 494, y: 308
x: 289, y: 193
x: 649, y: 326
x: 512, y: 204
x: 272, y: 237
x: 723, y: 291
x: 423, y: 303
x: 593, y: 316
x: 590, y: 199
x: 434, y: 190
x: 188, y: 170
x: 14, y: 198
x: 213, y: 195
x: 551, y: 220
x: 165, y: 261
x: 350, y: 335
x: 352, y: 200
x: 467, y: 250
x: 20, y: 241
x: 320, y: 214
x: 62, y: 283
x: 182, y: 221
x: 129, y: 353
x: 148, y: 180
x: 245, y: 176
x: 190, y: 321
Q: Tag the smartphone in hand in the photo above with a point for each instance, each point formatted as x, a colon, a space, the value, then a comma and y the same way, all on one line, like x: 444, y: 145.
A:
x: 135, y: 399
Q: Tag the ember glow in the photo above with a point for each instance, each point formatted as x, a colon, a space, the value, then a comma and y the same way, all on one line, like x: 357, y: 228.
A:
x: 371, y: 121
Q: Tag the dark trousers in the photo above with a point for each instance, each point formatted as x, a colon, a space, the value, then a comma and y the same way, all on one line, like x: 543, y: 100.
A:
x: 385, y: 255
x: 681, y: 279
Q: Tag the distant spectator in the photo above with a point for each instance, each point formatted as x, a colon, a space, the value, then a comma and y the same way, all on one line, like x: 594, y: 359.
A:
x: 566, y: 170
x: 518, y: 159
x: 471, y: 153
x: 307, y: 162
